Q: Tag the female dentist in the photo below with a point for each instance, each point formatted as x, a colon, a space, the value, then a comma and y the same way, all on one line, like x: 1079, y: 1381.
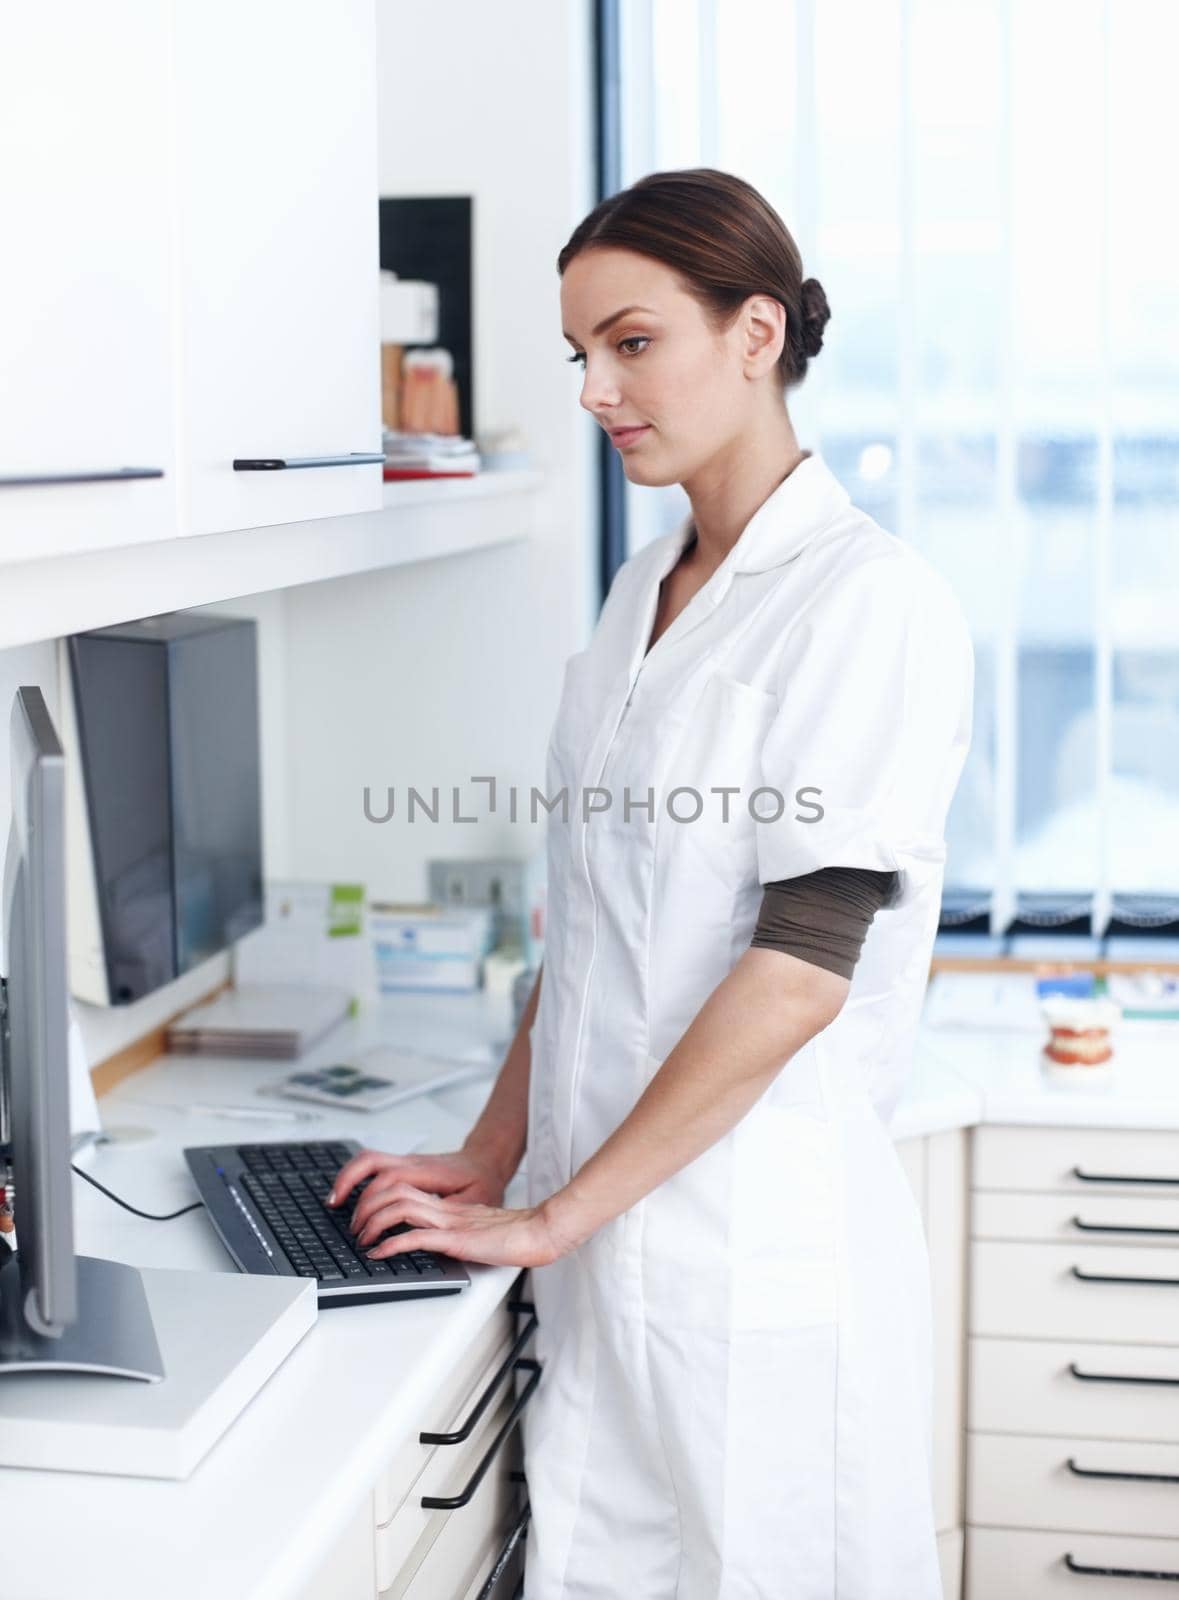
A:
x: 759, y: 746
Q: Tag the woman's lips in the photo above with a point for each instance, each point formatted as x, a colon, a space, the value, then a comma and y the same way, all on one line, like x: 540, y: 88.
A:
x: 627, y: 435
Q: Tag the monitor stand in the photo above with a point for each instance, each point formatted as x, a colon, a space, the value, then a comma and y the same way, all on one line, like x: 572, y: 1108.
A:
x: 113, y: 1333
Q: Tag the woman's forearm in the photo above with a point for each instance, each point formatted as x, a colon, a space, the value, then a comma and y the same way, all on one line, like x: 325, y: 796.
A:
x: 765, y: 1010
x: 502, y: 1129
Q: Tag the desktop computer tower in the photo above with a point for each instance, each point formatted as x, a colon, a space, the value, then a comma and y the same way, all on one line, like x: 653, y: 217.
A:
x: 163, y: 799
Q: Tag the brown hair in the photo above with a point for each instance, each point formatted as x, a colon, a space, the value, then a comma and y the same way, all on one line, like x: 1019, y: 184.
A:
x: 724, y: 240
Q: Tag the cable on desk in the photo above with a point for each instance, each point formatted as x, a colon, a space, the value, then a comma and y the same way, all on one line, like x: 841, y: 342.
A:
x: 151, y: 1216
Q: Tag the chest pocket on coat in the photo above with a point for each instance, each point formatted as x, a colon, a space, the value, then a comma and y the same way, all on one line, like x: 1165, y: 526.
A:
x: 580, y: 712
x: 720, y: 750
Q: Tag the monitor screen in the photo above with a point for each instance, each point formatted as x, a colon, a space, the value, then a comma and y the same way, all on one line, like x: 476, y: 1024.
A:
x: 34, y: 1059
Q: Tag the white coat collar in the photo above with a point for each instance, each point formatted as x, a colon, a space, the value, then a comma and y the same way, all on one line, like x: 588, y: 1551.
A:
x: 804, y: 503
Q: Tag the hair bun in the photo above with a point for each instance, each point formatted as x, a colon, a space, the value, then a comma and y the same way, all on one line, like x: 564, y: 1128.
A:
x: 816, y: 313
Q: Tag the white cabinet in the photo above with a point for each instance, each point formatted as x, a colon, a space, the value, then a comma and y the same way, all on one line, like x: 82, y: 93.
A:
x: 276, y: 187
x: 189, y: 271
x: 467, y: 1448
x: 1073, y: 1415
x: 936, y: 1170
x: 465, y: 1445
x: 86, y: 192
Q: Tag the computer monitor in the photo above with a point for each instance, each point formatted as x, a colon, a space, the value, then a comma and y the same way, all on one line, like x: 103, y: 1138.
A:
x: 34, y: 1090
x: 57, y: 1309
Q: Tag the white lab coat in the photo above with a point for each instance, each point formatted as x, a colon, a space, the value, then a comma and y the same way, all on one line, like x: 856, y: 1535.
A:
x: 736, y: 1392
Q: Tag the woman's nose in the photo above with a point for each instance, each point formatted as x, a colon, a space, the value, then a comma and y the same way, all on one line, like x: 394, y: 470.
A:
x: 598, y: 393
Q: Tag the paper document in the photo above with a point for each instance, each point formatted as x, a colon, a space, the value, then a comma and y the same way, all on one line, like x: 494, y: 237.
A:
x: 1003, y: 1001
x: 272, y: 1020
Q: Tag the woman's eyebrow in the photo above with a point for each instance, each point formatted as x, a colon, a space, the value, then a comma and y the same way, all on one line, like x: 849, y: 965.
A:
x: 606, y: 321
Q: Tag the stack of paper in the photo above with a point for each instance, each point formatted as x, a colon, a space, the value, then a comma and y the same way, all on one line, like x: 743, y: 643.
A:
x: 429, y: 455
x: 274, y: 1020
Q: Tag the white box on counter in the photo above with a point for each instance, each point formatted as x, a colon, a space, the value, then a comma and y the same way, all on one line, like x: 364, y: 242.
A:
x: 427, y: 946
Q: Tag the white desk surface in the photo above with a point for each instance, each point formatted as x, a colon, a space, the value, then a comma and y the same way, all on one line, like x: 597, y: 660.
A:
x: 273, y: 1495
x: 270, y: 1499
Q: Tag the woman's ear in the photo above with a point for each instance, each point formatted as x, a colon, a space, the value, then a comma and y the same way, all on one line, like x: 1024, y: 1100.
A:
x: 763, y: 328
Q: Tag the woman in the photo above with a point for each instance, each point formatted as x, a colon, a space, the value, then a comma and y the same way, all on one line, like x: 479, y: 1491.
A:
x: 759, y: 746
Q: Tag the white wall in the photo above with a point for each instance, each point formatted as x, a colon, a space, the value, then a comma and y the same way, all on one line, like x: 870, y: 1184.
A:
x: 427, y: 674
x: 432, y: 673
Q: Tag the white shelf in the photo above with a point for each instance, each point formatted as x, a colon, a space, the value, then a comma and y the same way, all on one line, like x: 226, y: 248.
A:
x: 446, y: 491
x: 419, y: 521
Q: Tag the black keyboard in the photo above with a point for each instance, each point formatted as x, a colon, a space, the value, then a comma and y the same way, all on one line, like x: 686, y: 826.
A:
x: 268, y: 1203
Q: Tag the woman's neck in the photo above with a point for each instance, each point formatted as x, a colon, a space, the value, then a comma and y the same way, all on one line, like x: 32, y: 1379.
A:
x: 725, y: 495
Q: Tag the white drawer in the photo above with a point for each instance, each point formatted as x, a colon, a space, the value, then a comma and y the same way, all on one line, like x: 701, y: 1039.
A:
x: 1003, y: 1564
x: 407, y: 1544
x: 450, y: 1405
x: 1133, y: 1160
x: 1149, y: 1221
x: 506, y: 1558
x: 1028, y: 1482
x: 1035, y: 1291
x: 949, y: 1555
x: 459, y: 1559
x: 1028, y: 1386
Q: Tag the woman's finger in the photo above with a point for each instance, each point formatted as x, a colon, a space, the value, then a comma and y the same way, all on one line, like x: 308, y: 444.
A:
x: 439, y: 1240
x: 356, y: 1169
x: 381, y: 1193
x: 421, y: 1211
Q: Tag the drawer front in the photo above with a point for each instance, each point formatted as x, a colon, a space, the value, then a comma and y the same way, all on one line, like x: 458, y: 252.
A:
x: 1094, y: 1485
x: 1091, y: 1391
x: 1148, y: 1221
x: 1037, y: 1291
x: 1005, y: 1564
x: 505, y: 1568
x: 461, y: 1553
x: 1134, y: 1161
x: 449, y: 1407
x: 406, y: 1543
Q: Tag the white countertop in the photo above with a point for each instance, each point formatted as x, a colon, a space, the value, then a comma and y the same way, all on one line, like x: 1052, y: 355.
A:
x: 1003, y: 1069
x: 278, y: 1489
x: 270, y: 1499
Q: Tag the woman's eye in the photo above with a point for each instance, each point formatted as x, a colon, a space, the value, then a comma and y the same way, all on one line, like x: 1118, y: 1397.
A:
x: 635, y: 338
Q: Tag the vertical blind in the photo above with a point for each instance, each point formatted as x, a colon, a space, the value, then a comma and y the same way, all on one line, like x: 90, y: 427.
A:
x: 981, y: 186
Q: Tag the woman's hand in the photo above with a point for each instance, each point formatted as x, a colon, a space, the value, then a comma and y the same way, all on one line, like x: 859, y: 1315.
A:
x: 452, y: 1201
x: 466, y: 1230
x: 464, y: 1174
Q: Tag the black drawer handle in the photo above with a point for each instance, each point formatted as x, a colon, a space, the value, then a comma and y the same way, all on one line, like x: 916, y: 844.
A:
x: 355, y: 458
x: 452, y: 1502
x: 1120, y: 1572
x: 1108, y: 1177
x: 1136, y: 1477
x: 1110, y: 1277
x: 1115, y: 1377
x: 1113, y: 1227
x: 505, y: 1555
x: 26, y: 480
x: 484, y: 1400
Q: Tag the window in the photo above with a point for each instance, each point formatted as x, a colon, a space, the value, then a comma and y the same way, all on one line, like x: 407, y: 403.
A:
x: 981, y: 187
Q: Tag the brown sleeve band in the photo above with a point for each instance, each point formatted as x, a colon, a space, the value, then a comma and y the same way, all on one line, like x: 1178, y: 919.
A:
x: 823, y: 917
